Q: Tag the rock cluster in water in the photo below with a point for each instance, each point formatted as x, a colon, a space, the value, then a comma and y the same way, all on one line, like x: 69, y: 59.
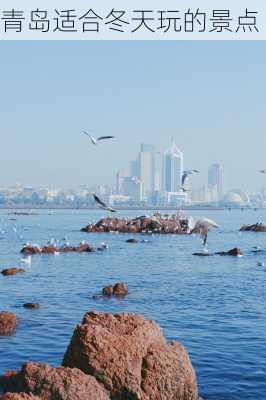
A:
x: 258, y: 227
x: 174, y: 224
x: 119, y: 289
x: 12, y: 271
x: 29, y: 249
x: 110, y: 356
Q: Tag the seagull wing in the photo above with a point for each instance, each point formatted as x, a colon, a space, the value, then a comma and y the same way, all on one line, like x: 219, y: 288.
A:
x: 184, y: 177
x: 99, y: 201
x: 105, y: 137
x: 93, y: 140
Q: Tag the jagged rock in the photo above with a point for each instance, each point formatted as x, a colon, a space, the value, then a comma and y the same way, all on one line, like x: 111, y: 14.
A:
x: 12, y: 271
x: 31, y: 305
x: 259, y: 227
x: 157, y: 223
x: 8, y: 323
x: 120, y: 289
x: 130, y: 357
x: 56, y: 383
x: 233, y: 252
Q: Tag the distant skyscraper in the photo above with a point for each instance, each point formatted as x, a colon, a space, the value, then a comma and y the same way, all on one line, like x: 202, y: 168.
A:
x: 216, y: 178
x: 120, y: 176
x: 133, y: 168
x: 146, y: 168
x: 157, y: 172
x: 172, y: 169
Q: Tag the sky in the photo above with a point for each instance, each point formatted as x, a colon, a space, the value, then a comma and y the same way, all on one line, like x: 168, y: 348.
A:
x: 210, y: 96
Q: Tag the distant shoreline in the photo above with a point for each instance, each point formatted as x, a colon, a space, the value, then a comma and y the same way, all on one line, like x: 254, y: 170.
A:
x: 54, y: 207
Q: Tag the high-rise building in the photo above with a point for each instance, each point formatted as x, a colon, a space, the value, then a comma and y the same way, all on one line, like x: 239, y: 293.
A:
x: 172, y: 169
x: 133, y: 188
x: 216, y: 178
x: 133, y: 168
x: 145, y: 168
x: 120, y: 176
x: 157, y: 172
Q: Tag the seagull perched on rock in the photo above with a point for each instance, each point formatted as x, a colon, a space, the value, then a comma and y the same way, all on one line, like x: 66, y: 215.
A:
x: 95, y: 140
x: 185, y: 177
x: 102, y: 204
x: 202, y: 227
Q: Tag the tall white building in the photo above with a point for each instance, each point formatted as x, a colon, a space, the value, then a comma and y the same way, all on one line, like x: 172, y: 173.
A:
x: 216, y: 178
x: 172, y: 169
x: 146, y: 168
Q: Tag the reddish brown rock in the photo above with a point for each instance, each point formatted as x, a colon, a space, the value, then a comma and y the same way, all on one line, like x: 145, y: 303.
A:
x: 131, y: 358
x: 233, y: 252
x: 8, y: 323
x: 56, y: 383
x: 19, y: 396
x: 12, y: 271
x: 108, y: 290
x: 82, y: 248
x: 120, y: 289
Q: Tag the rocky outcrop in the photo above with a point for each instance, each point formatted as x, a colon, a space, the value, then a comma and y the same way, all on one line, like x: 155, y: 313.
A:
x: 119, y: 289
x: 82, y: 248
x: 50, y: 383
x: 157, y: 223
x: 233, y: 252
x: 8, y: 323
x: 12, y: 271
x: 129, y: 356
x: 258, y: 227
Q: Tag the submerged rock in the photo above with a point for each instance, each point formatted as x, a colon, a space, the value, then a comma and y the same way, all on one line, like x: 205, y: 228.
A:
x: 129, y: 356
x: 31, y: 305
x: 258, y: 227
x: 108, y: 290
x: 8, y: 323
x: 233, y: 252
x: 132, y: 240
x: 12, y: 271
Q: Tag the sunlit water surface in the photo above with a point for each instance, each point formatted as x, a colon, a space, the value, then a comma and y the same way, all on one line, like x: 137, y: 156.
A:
x: 214, y: 305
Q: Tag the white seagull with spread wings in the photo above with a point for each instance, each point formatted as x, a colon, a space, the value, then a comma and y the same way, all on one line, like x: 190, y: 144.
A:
x: 95, y: 140
x: 102, y: 204
x: 202, y: 227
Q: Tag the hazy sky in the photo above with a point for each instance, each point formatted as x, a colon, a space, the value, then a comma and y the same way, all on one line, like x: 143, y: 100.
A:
x: 211, y: 96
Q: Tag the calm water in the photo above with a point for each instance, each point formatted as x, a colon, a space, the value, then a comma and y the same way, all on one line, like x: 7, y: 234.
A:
x: 214, y: 305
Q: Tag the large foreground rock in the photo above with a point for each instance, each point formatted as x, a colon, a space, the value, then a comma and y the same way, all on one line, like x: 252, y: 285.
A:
x: 8, y: 323
x: 50, y: 383
x: 131, y: 358
x: 19, y: 396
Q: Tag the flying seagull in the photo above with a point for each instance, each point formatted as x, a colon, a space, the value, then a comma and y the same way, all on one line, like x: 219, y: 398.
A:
x: 95, y: 140
x: 185, y: 177
x: 102, y: 204
x: 202, y: 227
x: 263, y: 171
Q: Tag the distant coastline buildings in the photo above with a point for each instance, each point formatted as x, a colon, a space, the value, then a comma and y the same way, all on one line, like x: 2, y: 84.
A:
x: 153, y: 179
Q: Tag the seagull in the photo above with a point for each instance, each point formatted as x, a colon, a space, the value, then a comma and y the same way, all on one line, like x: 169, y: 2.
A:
x: 95, y: 140
x: 185, y: 177
x: 102, y: 204
x: 202, y: 226
x: 26, y: 260
x: 263, y: 171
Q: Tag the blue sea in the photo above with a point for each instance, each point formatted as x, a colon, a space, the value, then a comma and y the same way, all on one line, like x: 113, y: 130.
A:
x: 214, y: 305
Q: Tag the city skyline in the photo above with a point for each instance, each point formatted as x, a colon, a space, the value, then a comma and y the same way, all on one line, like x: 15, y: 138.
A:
x: 213, y: 112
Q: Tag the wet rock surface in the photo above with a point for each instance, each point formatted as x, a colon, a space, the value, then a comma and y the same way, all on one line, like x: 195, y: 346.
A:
x: 119, y: 289
x: 233, y: 252
x: 12, y: 271
x: 129, y: 356
x: 157, y: 223
x: 8, y: 323
x: 258, y: 227
x: 31, y: 249
x: 31, y: 305
x: 51, y: 383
